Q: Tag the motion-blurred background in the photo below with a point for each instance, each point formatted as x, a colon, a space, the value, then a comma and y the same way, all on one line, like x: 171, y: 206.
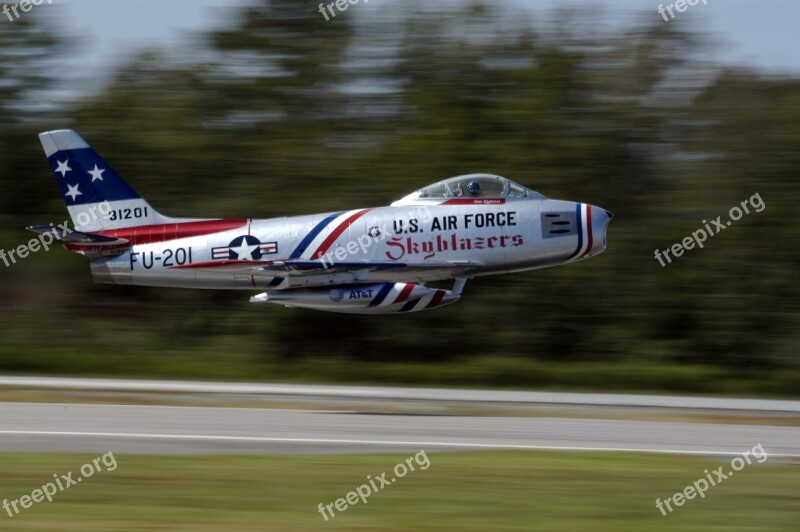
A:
x: 273, y: 111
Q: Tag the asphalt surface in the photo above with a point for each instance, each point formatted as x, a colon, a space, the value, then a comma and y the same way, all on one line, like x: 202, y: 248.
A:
x: 39, y: 427
x: 390, y: 395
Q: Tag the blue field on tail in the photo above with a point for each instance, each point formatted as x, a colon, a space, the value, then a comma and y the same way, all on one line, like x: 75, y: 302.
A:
x: 82, y: 175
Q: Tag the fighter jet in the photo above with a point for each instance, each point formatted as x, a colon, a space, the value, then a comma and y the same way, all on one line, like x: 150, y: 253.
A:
x: 363, y: 261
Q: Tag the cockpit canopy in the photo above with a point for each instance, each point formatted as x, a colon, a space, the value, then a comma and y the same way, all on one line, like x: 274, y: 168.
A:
x: 470, y: 186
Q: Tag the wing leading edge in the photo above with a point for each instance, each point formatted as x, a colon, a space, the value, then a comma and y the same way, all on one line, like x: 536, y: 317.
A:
x: 315, y: 267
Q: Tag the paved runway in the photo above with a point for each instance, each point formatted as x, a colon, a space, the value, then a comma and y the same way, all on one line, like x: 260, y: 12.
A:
x: 314, y: 393
x: 191, y: 430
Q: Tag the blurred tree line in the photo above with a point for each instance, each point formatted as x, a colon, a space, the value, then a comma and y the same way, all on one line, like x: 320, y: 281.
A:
x: 282, y: 113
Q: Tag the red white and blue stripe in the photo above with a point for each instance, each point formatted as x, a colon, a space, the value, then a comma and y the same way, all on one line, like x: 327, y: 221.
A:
x: 325, y: 234
x: 584, y: 221
x: 411, y: 296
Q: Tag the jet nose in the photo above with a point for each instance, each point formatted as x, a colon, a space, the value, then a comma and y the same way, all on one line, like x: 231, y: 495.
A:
x: 592, y: 237
x: 600, y: 219
x: 575, y: 224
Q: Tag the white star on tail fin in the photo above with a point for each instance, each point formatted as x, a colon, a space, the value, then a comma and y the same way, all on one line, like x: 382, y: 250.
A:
x: 73, y: 192
x: 97, y: 173
x: 63, y: 167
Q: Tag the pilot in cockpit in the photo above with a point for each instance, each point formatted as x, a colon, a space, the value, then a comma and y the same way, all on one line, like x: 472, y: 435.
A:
x: 474, y: 188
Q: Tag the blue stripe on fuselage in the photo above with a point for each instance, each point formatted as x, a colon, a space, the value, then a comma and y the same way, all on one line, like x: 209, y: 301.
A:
x: 301, y: 248
x: 580, y: 231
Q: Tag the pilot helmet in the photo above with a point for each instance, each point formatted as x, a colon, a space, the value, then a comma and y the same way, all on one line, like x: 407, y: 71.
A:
x: 474, y: 188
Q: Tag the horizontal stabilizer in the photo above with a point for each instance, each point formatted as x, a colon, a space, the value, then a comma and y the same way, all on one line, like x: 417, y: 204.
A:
x: 65, y: 234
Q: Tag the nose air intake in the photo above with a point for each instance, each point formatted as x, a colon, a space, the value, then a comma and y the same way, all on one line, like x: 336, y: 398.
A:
x: 599, y: 224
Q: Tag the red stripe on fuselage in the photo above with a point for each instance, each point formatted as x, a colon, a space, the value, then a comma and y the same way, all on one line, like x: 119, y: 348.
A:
x: 149, y: 234
x: 336, y: 233
x: 474, y: 201
x: 78, y: 247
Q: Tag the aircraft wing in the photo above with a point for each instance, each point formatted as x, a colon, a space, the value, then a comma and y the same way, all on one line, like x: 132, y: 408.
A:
x: 295, y: 268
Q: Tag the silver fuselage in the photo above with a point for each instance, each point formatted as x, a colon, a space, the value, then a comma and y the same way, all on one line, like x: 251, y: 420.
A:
x: 432, y: 241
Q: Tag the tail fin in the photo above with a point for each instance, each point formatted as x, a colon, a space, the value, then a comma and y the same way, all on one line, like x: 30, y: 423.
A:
x: 97, y: 197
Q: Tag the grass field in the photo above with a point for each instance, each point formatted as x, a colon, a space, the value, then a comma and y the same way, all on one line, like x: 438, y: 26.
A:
x: 458, y: 491
x: 492, y: 372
